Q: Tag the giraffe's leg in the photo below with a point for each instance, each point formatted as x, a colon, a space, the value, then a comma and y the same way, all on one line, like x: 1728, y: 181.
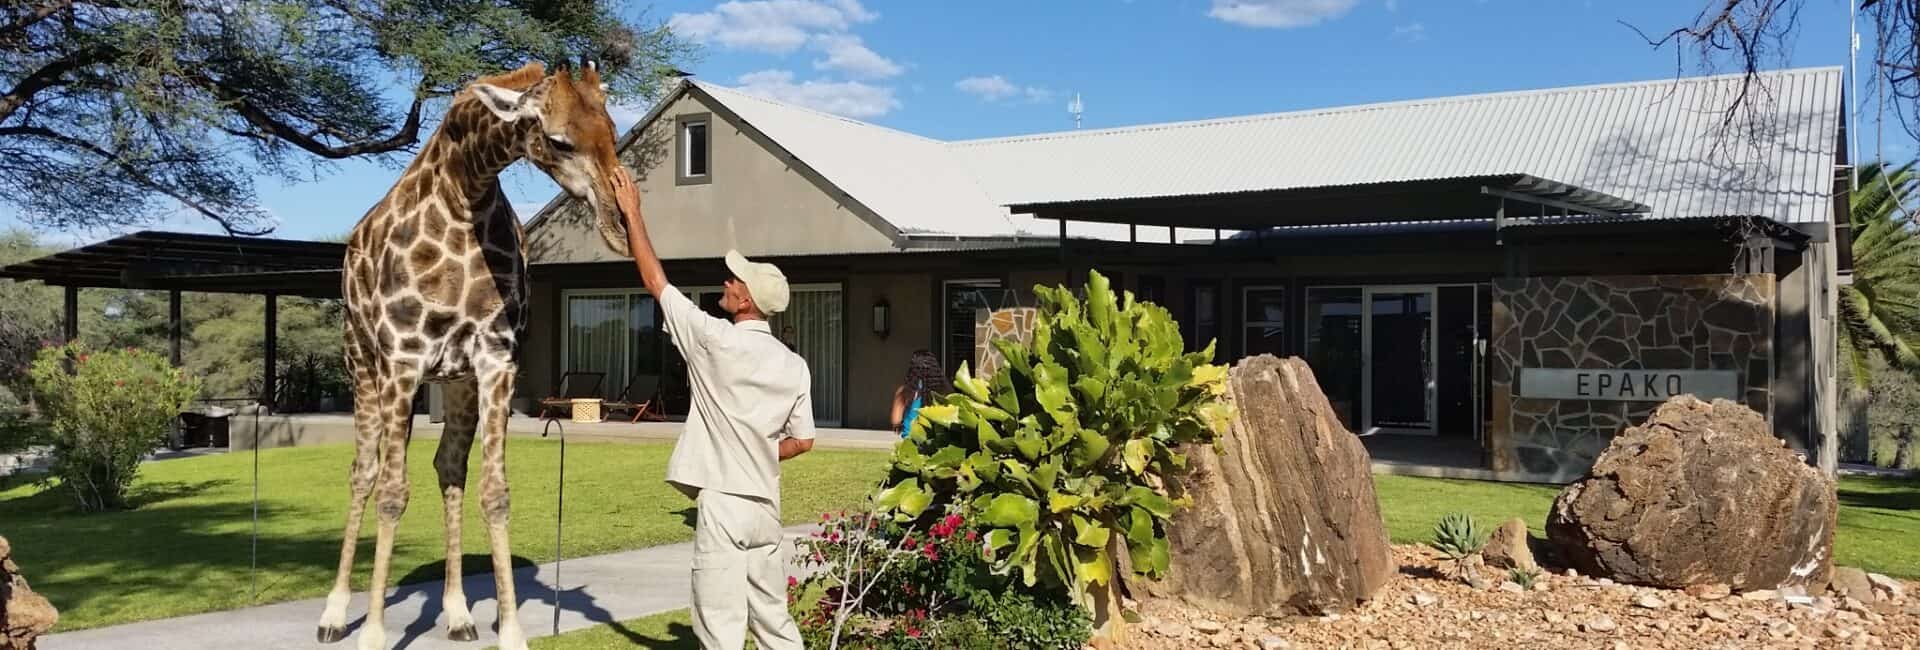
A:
x: 368, y: 432
x: 390, y: 495
x: 450, y: 463
x: 496, y: 388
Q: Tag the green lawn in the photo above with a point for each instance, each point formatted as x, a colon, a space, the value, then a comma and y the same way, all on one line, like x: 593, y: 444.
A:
x: 185, y: 549
x: 1879, y: 518
x: 668, y: 631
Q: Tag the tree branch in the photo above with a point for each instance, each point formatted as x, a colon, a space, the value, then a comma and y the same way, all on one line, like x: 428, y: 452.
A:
x: 33, y: 15
x: 132, y: 172
x: 49, y: 76
x: 407, y: 135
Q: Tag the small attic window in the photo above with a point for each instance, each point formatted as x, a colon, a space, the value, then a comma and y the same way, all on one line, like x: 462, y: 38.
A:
x: 694, y: 164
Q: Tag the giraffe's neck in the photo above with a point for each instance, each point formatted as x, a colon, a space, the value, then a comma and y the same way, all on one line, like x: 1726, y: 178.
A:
x: 468, y: 153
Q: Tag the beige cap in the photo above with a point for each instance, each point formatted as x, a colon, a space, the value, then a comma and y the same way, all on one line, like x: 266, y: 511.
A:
x: 765, y: 282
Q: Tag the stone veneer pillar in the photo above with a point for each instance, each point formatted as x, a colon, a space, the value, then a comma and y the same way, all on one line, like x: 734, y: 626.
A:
x: 1665, y: 322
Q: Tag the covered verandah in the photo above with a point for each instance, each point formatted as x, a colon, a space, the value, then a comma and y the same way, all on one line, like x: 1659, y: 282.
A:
x: 178, y: 263
x: 1417, y: 414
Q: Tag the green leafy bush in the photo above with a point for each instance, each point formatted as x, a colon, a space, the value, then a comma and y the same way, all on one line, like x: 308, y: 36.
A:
x: 105, y: 410
x: 1068, y: 451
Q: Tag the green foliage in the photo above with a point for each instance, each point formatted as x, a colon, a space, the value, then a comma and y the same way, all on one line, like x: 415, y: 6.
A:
x: 1880, y: 310
x: 29, y: 311
x: 1523, y: 577
x: 106, y: 410
x: 143, y: 107
x: 1068, y: 451
x: 1019, y: 620
x: 1458, y: 536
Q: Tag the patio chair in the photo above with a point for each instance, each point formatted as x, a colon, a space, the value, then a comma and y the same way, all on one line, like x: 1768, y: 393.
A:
x: 640, y: 396
x: 573, y: 385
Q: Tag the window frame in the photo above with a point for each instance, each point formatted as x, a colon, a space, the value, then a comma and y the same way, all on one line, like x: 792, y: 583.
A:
x: 682, y: 147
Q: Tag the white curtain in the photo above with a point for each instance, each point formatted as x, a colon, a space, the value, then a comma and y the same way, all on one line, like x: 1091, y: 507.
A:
x: 819, y: 336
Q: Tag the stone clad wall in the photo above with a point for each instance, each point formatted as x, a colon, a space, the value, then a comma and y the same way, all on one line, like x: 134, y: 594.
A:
x: 1673, y: 322
x: 1012, y: 322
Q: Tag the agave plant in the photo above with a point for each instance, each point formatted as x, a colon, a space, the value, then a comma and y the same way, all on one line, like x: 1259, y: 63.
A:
x: 1066, y: 453
x: 1461, y: 540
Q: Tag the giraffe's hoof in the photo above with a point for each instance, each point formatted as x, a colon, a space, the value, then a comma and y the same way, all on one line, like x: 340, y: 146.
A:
x: 331, y: 634
x: 463, y: 633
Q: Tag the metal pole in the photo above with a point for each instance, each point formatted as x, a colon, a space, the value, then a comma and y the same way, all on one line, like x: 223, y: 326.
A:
x: 559, y: 509
x: 272, y: 370
x: 173, y: 327
x: 71, y: 311
x: 253, y: 568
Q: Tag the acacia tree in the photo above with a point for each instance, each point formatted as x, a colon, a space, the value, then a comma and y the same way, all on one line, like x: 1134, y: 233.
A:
x: 117, y: 112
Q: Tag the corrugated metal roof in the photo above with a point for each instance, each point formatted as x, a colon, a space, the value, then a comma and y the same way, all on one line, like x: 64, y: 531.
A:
x: 1661, y: 143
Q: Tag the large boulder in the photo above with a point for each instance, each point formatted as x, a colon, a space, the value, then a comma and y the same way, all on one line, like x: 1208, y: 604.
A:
x: 1284, y: 520
x: 24, y: 615
x: 1700, y: 493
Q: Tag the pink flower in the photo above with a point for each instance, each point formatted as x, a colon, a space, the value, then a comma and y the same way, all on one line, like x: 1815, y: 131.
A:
x: 792, y: 582
x: 973, y: 535
x: 913, y: 631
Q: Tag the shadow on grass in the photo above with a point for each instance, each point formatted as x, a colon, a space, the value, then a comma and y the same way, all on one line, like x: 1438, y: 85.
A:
x: 50, y: 500
x: 1881, y: 493
x: 679, y: 637
x: 688, y: 515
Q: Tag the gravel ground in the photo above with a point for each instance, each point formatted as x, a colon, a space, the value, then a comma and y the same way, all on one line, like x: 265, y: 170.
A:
x: 1421, y: 609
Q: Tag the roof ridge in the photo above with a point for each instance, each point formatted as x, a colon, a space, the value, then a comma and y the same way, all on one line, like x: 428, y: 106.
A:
x: 708, y: 86
x: 1372, y: 106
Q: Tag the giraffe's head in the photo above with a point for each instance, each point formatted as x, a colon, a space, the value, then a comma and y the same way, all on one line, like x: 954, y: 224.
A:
x: 571, y: 138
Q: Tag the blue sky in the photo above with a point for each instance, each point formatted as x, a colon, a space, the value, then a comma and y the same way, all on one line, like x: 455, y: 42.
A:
x: 953, y: 70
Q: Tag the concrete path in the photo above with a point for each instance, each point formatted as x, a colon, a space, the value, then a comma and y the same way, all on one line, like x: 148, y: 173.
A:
x: 596, y: 591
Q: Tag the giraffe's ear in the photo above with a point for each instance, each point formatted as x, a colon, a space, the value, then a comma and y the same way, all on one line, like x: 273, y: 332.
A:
x: 507, y: 104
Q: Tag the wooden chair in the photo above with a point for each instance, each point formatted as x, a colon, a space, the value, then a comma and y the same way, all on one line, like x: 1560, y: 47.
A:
x: 573, y: 385
x: 640, y: 396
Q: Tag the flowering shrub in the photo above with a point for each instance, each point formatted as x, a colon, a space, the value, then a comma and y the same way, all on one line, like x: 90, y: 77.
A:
x: 105, y: 410
x: 883, y: 584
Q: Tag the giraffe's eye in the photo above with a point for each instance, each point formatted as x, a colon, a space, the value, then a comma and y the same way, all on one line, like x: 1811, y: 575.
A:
x: 560, y: 143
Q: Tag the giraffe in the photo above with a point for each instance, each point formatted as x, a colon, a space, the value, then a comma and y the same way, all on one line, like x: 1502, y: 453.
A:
x: 436, y: 291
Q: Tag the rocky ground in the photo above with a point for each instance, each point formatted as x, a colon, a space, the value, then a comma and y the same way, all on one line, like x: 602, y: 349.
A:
x: 1422, y: 609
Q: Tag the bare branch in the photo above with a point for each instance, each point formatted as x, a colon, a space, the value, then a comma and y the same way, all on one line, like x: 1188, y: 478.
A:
x: 48, y: 76
x: 405, y: 136
x: 132, y: 172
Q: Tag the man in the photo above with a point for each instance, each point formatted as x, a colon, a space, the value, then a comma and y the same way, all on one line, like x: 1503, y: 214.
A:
x: 752, y: 407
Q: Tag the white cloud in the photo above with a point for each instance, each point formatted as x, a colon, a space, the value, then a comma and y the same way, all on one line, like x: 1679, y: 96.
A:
x: 995, y: 88
x: 1410, y: 32
x: 992, y: 89
x: 776, y: 26
x: 847, y: 54
x: 1279, y: 13
x: 849, y: 98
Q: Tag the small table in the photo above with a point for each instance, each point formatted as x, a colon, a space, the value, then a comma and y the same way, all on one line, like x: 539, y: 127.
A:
x: 586, y: 409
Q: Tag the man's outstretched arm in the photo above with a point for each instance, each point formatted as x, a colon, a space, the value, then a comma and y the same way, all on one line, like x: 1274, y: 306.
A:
x: 639, y: 245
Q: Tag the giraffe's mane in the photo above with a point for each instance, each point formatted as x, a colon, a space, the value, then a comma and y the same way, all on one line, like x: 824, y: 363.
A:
x: 521, y: 79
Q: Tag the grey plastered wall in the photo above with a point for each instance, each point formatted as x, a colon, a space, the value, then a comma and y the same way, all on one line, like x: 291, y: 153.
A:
x: 758, y: 200
x: 875, y: 365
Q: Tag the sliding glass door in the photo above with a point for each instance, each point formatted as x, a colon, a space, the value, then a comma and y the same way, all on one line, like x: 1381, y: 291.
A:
x: 619, y: 333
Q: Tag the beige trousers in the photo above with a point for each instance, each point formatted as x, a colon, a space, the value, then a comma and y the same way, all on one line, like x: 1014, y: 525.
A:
x: 739, y: 575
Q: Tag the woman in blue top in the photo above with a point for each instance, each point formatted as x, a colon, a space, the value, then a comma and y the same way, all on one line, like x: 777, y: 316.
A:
x: 926, y: 381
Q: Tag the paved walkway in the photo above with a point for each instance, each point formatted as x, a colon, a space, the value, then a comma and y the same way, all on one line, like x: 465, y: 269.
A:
x: 597, y: 590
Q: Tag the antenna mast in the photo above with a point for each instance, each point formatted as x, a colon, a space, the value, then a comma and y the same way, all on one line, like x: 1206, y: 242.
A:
x: 1075, y: 108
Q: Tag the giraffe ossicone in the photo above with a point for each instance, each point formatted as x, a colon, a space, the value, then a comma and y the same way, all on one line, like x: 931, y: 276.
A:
x: 435, y: 286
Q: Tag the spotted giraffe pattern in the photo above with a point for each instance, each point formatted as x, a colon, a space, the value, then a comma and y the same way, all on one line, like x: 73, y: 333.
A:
x: 436, y: 292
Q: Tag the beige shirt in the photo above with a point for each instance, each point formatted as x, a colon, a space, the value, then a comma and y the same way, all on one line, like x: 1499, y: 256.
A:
x: 748, y: 392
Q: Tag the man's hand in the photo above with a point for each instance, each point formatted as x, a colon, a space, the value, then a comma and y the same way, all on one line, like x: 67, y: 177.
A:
x: 790, y: 447
x: 639, y: 245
